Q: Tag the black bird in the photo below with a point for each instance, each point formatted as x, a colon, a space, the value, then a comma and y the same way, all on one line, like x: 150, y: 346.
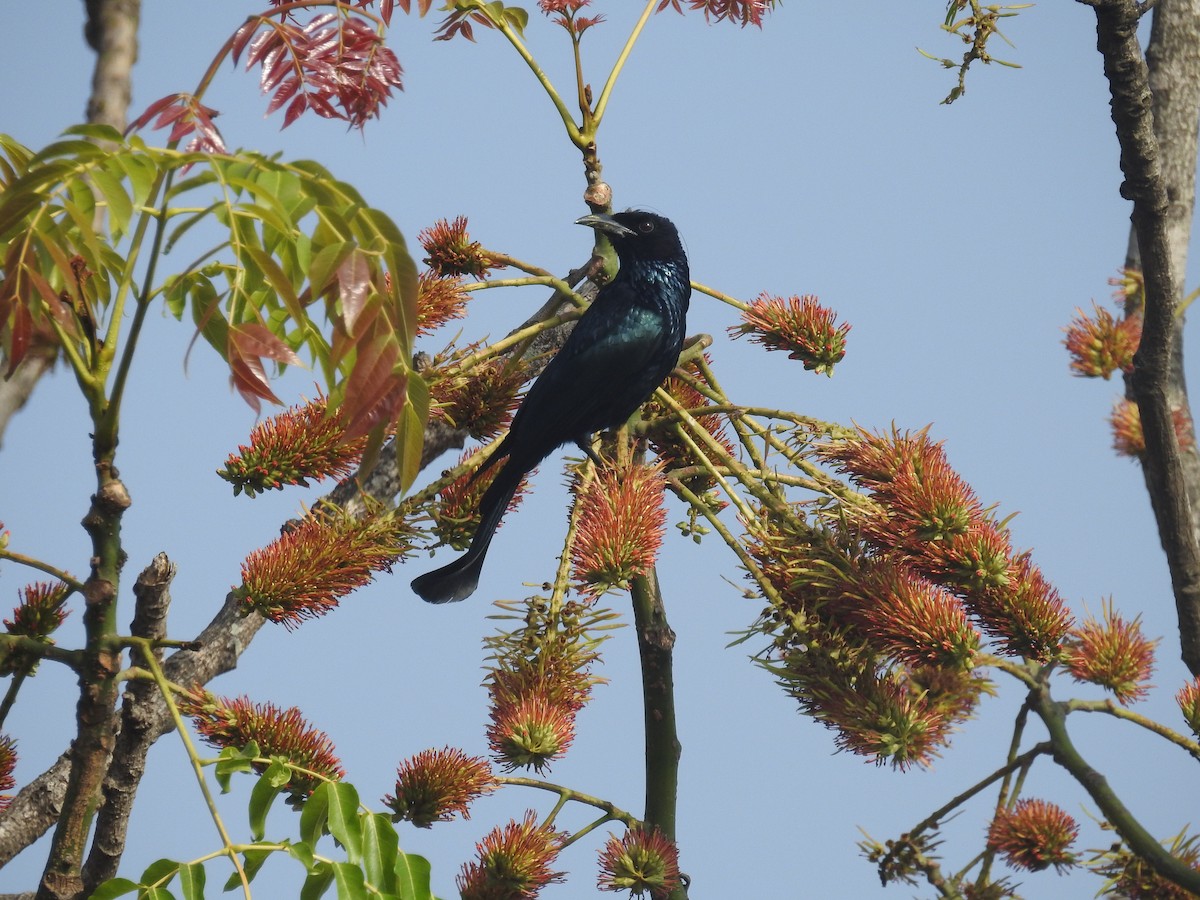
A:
x: 620, y: 350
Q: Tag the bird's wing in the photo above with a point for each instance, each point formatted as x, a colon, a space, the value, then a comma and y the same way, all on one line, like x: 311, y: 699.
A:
x: 587, y: 386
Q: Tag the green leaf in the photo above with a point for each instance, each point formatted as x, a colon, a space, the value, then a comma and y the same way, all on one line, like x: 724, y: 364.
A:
x: 320, y: 877
x: 315, y: 814
x: 114, y: 887
x: 410, y: 431
x: 301, y: 852
x: 266, y: 789
x: 325, y: 263
x: 191, y: 880
x: 161, y: 870
x: 381, y: 845
x: 343, y: 819
x: 156, y: 893
x: 278, y: 280
x: 412, y: 877
x: 120, y: 207
x: 97, y: 133
x: 350, y: 882
x: 230, y: 761
x: 252, y: 860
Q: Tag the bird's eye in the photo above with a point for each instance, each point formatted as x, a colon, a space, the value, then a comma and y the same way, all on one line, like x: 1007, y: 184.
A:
x: 645, y: 226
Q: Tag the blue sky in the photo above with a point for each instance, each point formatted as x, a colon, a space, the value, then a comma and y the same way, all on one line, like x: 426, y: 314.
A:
x: 809, y: 157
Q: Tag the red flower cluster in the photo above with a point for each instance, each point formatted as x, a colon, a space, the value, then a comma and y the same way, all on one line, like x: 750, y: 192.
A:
x: 435, y: 785
x: 481, y: 401
x: 277, y: 732
x: 1113, y: 654
x: 323, y: 557
x: 668, y: 446
x: 303, y: 442
x: 439, y: 299
x: 800, y: 326
x: 641, y: 862
x: 926, y: 517
x: 514, y: 862
x: 1034, y: 835
x: 452, y: 252
x: 1188, y: 699
x: 621, y: 523
x: 8, y: 764
x: 456, y: 515
x: 1128, y: 438
x: 37, y: 616
x: 1102, y: 344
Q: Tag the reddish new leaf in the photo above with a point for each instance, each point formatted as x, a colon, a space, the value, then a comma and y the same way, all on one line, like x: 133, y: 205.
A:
x: 354, y: 286
x: 375, y: 390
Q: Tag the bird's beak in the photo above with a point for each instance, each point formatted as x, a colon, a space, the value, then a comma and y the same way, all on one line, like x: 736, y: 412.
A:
x: 607, y: 224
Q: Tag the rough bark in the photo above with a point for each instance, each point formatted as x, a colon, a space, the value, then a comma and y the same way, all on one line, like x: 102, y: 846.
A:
x: 1155, y: 99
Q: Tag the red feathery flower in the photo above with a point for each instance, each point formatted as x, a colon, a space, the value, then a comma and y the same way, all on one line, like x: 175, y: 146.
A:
x: 621, y: 522
x: 669, y: 447
x: 8, y: 764
x: 640, y: 862
x: 530, y: 731
x: 323, y: 557
x: 481, y: 400
x: 1034, y: 835
x: 1113, y: 654
x: 436, y: 784
x: 439, y: 299
x: 37, y: 616
x: 456, y: 515
x: 798, y: 325
x: 1130, y: 287
x: 1101, y: 345
x: 1188, y: 699
x: 514, y: 862
x: 302, y: 442
x: 1128, y: 438
x: 1026, y: 613
x: 277, y: 732
x: 912, y: 620
x: 452, y: 252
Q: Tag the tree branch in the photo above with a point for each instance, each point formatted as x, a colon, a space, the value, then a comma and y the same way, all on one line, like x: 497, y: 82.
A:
x: 1156, y: 383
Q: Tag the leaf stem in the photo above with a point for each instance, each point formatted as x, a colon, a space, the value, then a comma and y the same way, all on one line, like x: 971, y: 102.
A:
x: 622, y: 58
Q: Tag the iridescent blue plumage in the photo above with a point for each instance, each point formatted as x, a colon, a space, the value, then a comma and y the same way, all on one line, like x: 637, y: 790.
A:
x: 620, y: 350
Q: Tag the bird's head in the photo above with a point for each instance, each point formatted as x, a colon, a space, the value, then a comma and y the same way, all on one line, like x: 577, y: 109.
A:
x: 637, y: 234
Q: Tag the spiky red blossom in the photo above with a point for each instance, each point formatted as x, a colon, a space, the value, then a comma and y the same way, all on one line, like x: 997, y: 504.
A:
x: 1101, y: 344
x: 326, y: 555
x: 530, y: 731
x: 671, y: 450
x: 933, y: 521
x: 482, y: 400
x: 514, y: 862
x: 621, y: 522
x: 1113, y: 654
x: 436, y: 784
x: 912, y: 620
x: 1130, y: 287
x: 1188, y: 699
x: 743, y: 12
x: 439, y: 299
x: 8, y: 764
x: 40, y: 611
x: 1128, y: 438
x: 641, y: 862
x: 456, y: 516
x: 307, y: 441
x: 285, y: 733
x: 1034, y: 835
x: 37, y: 616
x: 452, y: 252
x: 1132, y: 877
x: 800, y: 326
